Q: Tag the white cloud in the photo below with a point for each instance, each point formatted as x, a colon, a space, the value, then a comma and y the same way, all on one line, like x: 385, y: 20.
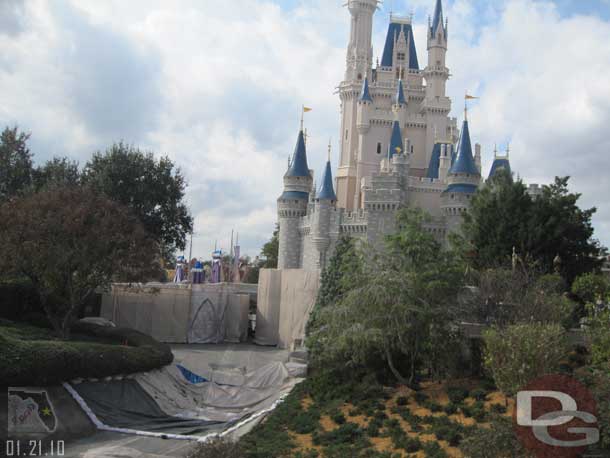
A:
x: 219, y: 90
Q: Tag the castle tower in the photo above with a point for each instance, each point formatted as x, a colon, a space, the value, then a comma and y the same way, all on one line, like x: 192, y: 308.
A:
x: 324, y: 207
x: 359, y: 49
x: 292, y: 205
x: 357, y: 74
x: 437, y: 105
x: 463, y: 181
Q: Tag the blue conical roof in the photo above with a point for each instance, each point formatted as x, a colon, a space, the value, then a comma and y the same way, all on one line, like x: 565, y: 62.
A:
x: 326, y: 190
x: 438, y: 17
x: 298, y: 165
x: 464, y: 162
x: 500, y: 163
x: 394, y: 29
x: 365, y: 95
x: 396, y: 140
x: 435, y: 161
x: 400, y: 94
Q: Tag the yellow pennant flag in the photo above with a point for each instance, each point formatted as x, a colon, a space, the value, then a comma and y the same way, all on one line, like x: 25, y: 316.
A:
x: 471, y: 97
x: 306, y: 109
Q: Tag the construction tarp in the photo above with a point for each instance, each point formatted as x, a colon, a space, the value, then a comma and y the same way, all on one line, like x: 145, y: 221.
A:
x: 207, y: 390
x: 285, y: 301
x: 182, y: 313
x: 125, y: 404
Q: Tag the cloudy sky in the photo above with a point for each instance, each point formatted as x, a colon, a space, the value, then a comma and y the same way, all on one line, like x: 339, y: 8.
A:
x: 217, y: 85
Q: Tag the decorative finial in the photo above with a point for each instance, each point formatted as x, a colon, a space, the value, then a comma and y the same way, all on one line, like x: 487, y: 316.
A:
x: 329, y: 147
x: 495, y: 150
x: 435, y: 133
x: 508, y: 150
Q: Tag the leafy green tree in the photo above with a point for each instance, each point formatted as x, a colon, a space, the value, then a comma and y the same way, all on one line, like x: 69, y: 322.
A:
x: 521, y: 295
x: 594, y: 292
x: 153, y: 190
x: 15, y: 163
x: 270, y: 250
x: 399, y: 309
x: 56, y: 173
x: 344, y: 261
x: 68, y: 242
x: 503, y: 216
x: 519, y: 353
x: 558, y: 226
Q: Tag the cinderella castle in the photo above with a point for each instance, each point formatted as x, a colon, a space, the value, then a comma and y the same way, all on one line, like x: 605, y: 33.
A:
x: 399, y: 148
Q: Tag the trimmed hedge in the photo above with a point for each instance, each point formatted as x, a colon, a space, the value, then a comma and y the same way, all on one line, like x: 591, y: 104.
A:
x: 33, y: 356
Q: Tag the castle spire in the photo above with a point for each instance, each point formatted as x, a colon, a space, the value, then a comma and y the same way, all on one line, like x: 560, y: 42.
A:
x: 365, y: 94
x: 396, y: 143
x: 327, y: 191
x: 298, y: 165
x: 400, y: 94
x: 464, y: 163
x: 438, y: 17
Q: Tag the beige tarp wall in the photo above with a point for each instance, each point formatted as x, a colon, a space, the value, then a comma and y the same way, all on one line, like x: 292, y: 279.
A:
x: 285, y: 301
x: 176, y: 313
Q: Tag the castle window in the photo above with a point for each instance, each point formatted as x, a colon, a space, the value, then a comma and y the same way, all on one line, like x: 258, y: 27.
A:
x: 359, y: 76
x: 346, y: 133
x: 400, y: 56
x: 378, y: 148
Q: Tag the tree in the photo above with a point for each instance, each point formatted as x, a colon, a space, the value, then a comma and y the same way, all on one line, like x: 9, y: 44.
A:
x: 153, y: 190
x: 594, y: 292
x: 268, y: 258
x: 559, y: 227
x: 68, y: 242
x: 58, y: 172
x: 401, y: 307
x: 520, y: 353
x: 270, y: 250
x: 520, y: 295
x: 15, y: 163
x: 343, y: 262
x: 503, y: 216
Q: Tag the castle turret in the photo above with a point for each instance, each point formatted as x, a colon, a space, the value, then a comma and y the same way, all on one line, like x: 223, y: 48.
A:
x: 440, y: 161
x: 400, y: 104
x: 324, y: 207
x: 397, y: 145
x: 292, y: 205
x: 437, y: 105
x: 365, y: 101
x: 463, y: 181
x: 360, y: 50
x: 500, y: 163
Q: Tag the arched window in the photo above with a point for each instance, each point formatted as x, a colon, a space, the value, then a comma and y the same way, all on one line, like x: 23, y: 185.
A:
x: 378, y: 148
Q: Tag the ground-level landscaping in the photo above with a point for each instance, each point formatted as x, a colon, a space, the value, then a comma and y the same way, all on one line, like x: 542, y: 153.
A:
x: 36, y: 356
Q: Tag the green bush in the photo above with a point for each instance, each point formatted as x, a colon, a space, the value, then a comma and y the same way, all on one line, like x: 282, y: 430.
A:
x: 217, y: 448
x: 432, y: 406
x: 498, y: 408
x: 33, y: 355
x: 450, y: 409
x: 305, y: 422
x: 402, y: 401
x: 433, y: 450
x: 479, y: 394
x: 420, y: 397
x: 338, y: 417
x: 497, y: 441
x: 457, y: 394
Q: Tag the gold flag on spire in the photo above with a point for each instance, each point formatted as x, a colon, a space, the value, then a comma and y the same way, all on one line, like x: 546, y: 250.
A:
x: 306, y: 109
x: 470, y: 97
